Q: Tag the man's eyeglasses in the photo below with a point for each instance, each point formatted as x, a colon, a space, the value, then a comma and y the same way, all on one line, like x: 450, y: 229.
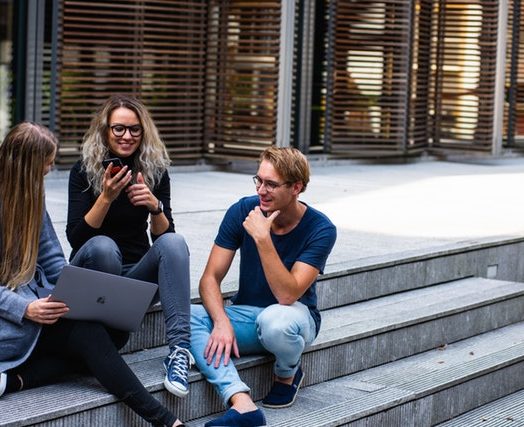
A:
x: 270, y: 185
x: 120, y: 130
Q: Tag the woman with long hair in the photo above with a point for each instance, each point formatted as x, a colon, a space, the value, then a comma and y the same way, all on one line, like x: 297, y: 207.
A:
x: 38, y: 346
x: 120, y: 183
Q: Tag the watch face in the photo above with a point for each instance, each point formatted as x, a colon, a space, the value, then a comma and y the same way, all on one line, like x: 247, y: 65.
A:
x: 159, y: 209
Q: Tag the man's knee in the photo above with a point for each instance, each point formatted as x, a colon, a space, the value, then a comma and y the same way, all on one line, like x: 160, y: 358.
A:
x: 279, y: 325
x: 273, y: 322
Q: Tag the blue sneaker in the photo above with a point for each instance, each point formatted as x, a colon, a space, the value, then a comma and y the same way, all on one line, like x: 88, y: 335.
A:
x: 283, y: 395
x: 177, y: 366
x: 233, y: 418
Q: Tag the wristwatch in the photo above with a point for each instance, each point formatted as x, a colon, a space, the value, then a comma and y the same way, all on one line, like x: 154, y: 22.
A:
x: 159, y: 209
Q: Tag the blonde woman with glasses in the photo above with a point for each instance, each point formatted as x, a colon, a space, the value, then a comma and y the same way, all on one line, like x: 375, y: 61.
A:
x: 37, y: 345
x: 120, y: 183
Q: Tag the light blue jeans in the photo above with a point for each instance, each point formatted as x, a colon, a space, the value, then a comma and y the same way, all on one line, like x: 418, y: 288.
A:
x: 165, y: 263
x: 282, y: 330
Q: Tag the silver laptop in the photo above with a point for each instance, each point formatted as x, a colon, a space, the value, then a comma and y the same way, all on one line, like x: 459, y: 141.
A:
x: 116, y: 301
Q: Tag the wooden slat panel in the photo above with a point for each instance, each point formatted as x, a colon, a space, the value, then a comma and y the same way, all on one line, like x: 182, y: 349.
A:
x: 152, y: 49
x: 47, y: 65
x: 463, y: 73
x: 420, y: 123
x: 242, y: 77
x: 369, y: 96
x: 514, y: 105
x: 403, y: 73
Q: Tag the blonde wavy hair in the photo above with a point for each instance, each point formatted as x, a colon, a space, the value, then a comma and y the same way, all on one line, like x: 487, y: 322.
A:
x: 24, y: 155
x: 152, y: 159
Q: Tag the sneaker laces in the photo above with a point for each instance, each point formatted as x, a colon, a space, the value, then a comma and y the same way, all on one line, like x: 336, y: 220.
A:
x: 180, y: 360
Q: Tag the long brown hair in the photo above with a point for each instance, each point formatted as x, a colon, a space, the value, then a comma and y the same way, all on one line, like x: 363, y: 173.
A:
x: 24, y: 155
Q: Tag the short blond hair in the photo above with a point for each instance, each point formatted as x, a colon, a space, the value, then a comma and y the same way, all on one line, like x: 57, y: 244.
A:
x: 290, y: 164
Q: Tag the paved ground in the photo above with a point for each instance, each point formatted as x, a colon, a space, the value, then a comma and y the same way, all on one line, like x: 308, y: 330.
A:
x: 380, y: 211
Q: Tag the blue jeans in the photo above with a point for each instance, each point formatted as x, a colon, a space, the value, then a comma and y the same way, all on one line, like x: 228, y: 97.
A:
x: 165, y: 263
x: 282, y: 330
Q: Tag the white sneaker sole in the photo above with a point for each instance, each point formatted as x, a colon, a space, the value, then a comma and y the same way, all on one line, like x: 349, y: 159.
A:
x: 175, y: 390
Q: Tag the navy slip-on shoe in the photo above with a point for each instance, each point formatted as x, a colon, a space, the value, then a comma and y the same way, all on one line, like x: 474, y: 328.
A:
x: 283, y: 395
x: 233, y: 418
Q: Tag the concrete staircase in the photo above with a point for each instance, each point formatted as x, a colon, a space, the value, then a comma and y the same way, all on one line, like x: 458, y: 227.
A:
x: 415, y: 341
x: 506, y: 411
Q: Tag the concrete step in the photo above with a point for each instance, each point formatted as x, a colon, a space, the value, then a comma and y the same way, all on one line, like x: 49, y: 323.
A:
x: 421, y: 390
x: 152, y: 331
x: 506, y: 411
x: 364, y: 280
x: 352, y: 338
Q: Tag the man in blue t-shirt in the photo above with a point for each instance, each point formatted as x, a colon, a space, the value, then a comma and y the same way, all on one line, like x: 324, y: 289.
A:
x: 284, y: 245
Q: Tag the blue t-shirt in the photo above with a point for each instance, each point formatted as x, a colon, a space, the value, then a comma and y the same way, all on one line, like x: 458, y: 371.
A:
x: 309, y: 242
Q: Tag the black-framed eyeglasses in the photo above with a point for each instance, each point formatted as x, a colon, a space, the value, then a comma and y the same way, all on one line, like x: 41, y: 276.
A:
x: 270, y: 185
x: 120, y: 130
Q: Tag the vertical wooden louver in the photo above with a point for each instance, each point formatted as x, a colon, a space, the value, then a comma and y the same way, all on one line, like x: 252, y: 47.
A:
x: 152, y: 49
x: 368, y: 96
x: 463, y: 73
x: 514, y: 101
x: 396, y: 77
x: 47, y: 77
x: 242, y: 77
x: 420, y: 123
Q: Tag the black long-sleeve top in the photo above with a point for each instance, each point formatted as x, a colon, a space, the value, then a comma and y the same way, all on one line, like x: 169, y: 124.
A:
x: 124, y: 223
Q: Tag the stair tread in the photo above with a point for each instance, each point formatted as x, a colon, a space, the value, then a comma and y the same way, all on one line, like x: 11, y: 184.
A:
x: 378, y: 389
x: 381, y: 314
x: 339, y: 324
x: 506, y: 411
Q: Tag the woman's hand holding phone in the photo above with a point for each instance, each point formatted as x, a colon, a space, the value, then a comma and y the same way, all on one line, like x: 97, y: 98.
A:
x: 113, y: 183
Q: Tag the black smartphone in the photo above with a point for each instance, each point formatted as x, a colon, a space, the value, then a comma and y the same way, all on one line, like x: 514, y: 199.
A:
x: 117, y: 165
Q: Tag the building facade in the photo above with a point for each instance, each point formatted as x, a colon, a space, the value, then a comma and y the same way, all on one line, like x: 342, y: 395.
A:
x: 224, y: 79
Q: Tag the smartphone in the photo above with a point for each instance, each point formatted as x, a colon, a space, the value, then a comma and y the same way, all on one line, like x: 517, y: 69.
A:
x: 117, y: 165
